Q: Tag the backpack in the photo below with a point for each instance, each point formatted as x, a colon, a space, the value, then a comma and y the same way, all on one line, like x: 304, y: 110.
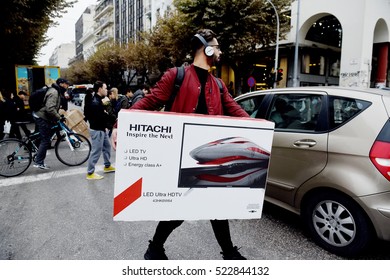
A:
x: 178, y: 81
x: 118, y: 105
x: 36, y: 100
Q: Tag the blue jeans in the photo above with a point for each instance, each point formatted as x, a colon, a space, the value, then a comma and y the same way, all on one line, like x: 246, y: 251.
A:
x: 100, y: 143
x: 45, y: 133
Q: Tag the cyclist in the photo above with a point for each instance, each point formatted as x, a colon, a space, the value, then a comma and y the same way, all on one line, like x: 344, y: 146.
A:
x: 45, y: 117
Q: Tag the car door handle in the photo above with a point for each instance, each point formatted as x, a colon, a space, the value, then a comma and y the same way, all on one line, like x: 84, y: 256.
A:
x: 305, y: 143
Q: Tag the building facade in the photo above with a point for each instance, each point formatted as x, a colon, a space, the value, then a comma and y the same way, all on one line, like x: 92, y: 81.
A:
x: 84, y: 35
x: 115, y: 20
x: 340, y: 43
x: 62, y: 54
x: 134, y: 16
x: 330, y: 42
x: 104, y: 22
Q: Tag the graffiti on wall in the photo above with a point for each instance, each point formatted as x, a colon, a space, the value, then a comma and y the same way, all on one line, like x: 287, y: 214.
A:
x: 354, y: 79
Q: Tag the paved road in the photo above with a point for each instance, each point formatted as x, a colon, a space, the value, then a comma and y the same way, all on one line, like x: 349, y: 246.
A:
x: 58, y: 214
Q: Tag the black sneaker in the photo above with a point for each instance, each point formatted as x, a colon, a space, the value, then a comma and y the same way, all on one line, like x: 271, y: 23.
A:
x: 155, y: 252
x: 233, y: 254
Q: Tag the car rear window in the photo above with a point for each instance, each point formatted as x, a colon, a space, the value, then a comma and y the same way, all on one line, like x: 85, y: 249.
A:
x: 384, y: 135
x: 343, y: 109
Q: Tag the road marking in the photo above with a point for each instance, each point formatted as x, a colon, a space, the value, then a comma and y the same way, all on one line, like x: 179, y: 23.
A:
x: 4, y: 182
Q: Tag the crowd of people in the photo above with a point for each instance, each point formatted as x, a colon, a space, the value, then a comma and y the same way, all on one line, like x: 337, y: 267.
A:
x: 101, y: 108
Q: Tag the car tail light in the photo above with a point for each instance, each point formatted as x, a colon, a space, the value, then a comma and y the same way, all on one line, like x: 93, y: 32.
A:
x: 380, y: 151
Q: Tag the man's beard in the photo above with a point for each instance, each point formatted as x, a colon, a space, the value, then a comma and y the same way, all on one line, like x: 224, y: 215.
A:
x: 216, y: 60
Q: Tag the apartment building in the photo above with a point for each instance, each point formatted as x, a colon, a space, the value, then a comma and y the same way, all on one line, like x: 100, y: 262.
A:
x: 62, y: 54
x: 104, y: 22
x: 84, y: 35
x: 133, y: 16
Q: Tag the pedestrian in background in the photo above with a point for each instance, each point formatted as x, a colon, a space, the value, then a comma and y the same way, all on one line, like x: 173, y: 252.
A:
x: 87, y: 102
x: 46, y: 117
x: 21, y: 113
x: 112, y: 107
x: 125, y: 101
x: 140, y: 93
x: 98, y: 124
x: 64, y: 100
x: 191, y: 98
x: 3, y: 116
x: 11, y: 114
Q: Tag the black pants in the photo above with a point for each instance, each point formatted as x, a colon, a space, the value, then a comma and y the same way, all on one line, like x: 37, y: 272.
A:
x: 45, y: 134
x: 15, y: 130
x: 220, y: 227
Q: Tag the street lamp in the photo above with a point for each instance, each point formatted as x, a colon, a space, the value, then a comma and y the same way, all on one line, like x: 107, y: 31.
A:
x: 277, y: 43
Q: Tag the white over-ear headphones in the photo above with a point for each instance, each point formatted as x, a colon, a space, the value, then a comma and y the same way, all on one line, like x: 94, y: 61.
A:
x: 208, y: 50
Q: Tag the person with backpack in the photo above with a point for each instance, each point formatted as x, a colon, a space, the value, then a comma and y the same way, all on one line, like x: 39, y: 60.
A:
x: 45, y: 116
x: 199, y: 93
x: 125, y: 100
x: 140, y: 93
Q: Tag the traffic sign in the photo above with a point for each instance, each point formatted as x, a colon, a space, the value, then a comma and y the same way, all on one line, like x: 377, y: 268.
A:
x: 251, y: 81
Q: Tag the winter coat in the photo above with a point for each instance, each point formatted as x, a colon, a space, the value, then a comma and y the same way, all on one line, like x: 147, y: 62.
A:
x: 138, y: 95
x: 52, y: 102
x: 98, y: 117
x: 188, y: 95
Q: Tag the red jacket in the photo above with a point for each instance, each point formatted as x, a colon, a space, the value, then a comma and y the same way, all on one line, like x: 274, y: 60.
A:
x: 187, y: 97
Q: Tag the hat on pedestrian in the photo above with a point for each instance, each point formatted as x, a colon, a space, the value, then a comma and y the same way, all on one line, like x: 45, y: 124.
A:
x: 62, y: 81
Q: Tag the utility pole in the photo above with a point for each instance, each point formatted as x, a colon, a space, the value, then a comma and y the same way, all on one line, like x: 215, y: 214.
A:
x: 277, y: 43
x: 295, y: 75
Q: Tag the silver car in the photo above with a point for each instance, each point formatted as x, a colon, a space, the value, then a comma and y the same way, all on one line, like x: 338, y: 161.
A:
x: 330, y: 161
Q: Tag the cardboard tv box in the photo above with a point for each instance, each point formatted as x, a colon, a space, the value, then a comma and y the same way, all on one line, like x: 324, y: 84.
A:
x: 173, y: 166
x: 75, y: 121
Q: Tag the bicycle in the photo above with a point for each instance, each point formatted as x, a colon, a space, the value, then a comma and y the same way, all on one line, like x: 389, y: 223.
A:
x: 16, y: 155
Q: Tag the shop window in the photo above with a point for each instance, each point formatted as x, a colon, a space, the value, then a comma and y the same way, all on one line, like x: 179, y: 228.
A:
x: 313, y: 64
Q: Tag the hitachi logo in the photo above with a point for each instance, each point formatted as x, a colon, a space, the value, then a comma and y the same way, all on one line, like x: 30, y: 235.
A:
x: 150, y: 128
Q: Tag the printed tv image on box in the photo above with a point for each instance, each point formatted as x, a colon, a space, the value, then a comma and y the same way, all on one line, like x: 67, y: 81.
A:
x: 233, y: 157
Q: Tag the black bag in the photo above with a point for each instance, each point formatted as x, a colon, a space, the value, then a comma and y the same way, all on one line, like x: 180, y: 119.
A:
x: 36, y: 100
x: 118, y: 105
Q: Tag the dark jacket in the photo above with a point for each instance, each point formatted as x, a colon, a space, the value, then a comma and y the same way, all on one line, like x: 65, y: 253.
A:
x: 3, y: 112
x: 97, y: 117
x: 138, y: 95
x: 52, y: 102
x: 187, y: 97
x: 21, y: 114
x: 10, y: 110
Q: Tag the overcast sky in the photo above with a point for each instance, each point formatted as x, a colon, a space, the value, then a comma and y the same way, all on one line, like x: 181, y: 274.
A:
x: 65, y: 31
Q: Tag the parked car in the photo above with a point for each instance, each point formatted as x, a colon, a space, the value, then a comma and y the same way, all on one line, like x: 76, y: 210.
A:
x: 77, y: 93
x: 78, y: 99
x: 330, y: 161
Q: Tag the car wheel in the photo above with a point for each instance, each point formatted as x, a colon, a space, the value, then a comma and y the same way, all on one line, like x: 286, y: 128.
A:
x: 337, y: 223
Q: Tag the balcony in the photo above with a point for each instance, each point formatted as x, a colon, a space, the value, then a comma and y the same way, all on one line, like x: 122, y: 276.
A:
x: 102, y: 39
x: 103, y: 23
x: 87, y: 36
x: 101, y: 11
